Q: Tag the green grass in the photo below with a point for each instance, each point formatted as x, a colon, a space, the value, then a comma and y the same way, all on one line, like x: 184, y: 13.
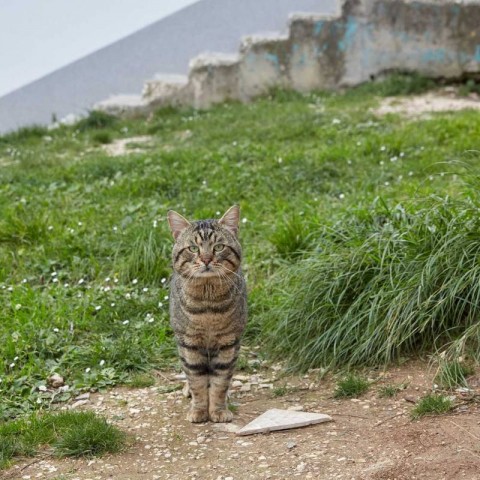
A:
x: 141, y: 380
x: 77, y: 434
x: 391, y: 390
x: 386, y: 280
x: 432, y: 404
x: 452, y: 374
x: 357, y: 249
x: 351, y: 386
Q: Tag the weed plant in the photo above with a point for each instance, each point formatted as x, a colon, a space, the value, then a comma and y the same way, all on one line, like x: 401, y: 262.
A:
x: 433, y: 404
x: 69, y: 433
x: 385, y: 281
x: 351, y: 386
x: 452, y: 374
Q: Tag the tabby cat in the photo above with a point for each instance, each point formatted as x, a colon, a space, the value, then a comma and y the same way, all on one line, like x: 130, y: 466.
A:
x: 208, y: 308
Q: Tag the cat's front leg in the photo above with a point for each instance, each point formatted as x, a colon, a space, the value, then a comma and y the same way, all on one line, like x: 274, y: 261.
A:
x: 195, y: 366
x: 221, y: 372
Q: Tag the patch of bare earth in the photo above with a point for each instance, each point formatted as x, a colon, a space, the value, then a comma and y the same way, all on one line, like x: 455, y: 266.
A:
x: 445, y: 100
x: 124, y: 146
x: 371, y: 438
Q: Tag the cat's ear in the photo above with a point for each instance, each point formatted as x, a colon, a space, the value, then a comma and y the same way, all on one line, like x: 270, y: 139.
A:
x: 230, y: 219
x: 177, y: 223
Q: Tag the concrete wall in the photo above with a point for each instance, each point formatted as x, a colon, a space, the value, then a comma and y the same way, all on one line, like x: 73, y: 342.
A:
x: 367, y: 38
x: 165, y: 46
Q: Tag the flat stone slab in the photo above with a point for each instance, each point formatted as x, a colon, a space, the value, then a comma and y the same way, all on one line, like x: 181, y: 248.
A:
x: 276, y: 419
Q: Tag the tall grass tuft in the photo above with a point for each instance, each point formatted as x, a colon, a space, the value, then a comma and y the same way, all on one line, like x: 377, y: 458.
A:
x: 70, y: 433
x: 383, y: 282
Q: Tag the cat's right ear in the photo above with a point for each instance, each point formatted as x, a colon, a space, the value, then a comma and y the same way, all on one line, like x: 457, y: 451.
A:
x: 177, y: 223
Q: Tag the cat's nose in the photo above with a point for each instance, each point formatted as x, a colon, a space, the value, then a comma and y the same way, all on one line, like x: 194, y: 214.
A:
x: 206, y: 260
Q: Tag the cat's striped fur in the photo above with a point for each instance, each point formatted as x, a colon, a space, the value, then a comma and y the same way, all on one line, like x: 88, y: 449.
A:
x: 208, y: 309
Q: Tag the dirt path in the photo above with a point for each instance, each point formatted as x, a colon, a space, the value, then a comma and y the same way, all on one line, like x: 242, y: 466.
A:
x: 370, y: 438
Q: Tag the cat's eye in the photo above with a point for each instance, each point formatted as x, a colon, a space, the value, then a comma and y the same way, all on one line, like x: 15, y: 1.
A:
x: 218, y: 248
x: 193, y: 249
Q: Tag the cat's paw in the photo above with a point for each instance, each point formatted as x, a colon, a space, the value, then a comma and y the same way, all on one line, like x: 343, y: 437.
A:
x: 197, y: 416
x: 221, y: 416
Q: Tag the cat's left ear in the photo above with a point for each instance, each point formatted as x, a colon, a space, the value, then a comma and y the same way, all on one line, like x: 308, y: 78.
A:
x: 231, y: 219
x: 177, y: 223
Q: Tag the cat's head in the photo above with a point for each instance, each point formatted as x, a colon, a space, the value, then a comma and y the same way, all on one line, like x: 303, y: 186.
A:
x: 206, y: 248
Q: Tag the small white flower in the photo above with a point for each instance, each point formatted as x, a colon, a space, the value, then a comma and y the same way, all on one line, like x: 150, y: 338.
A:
x: 383, y: 148
x: 53, y: 274
x: 234, y: 143
x: 24, y: 280
x: 128, y: 296
x: 349, y: 162
x: 394, y: 159
x: 98, y: 307
x: 145, y: 289
x: 12, y: 365
x: 87, y: 370
x: 115, y: 229
x: 134, y: 281
x: 56, y: 330
x: 39, y: 400
x: 163, y: 280
x: 402, y: 154
x: 341, y: 196
x: 55, y: 280
x: 18, y: 306
x: 66, y: 285
x: 112, y: 304
x: 115, y: 280
x: 50, y: 227
x: 154, y: 224
x: 382, y: 162
x: 160, y: 304
x: 280, y: 160
x: 244, y: 220
x: 204, y: 182
x: 165, y: 297
x: 10, y: 289
x: 106, y: 289
x: 107, y: 279
x: 15, y: 359
x: 81, y: 281
x: 217, y: 213
x: 336, y: 121
x: 359, y: 143
x: 410, y: 174
x: 42, y: 388
x: 387, y: 184
x: 80, y: 224
x: 102, y: 363
x: 126, y: 322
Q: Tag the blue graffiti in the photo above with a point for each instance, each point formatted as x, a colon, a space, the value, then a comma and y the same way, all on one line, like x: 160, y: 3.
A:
x: 272, y: 57
x: 351, y: 28
x: 477, y: 54
x: 318, y: 27
x: 434, y: 55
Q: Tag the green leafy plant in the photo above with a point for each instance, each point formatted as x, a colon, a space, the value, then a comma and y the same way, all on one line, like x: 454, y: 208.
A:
x: 434, y: 404
x: 351, y: 386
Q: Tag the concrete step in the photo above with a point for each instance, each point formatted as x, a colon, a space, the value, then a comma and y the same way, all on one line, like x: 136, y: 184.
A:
x: 262, y: 40
x: 166, y: 89
x: 128, y: 105
x: 214, y: 78
x: 214, y: 59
